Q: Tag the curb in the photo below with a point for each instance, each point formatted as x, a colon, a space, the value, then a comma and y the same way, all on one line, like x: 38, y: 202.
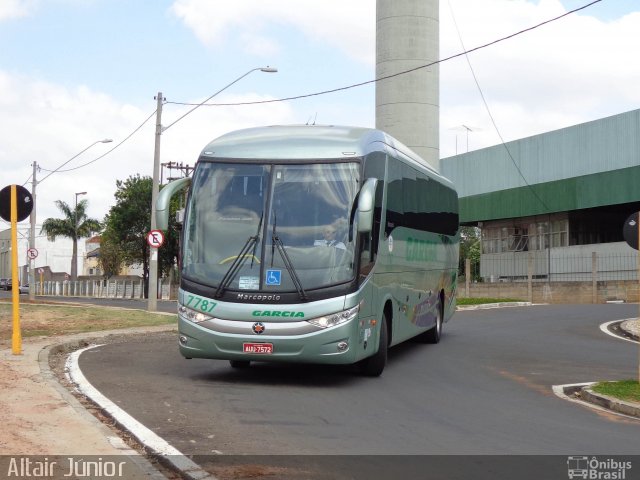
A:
x: 610, y: 403
x: 169, y: 457
x: 493, y: 305
x: 582, y: 394
x: 631, y: 328
x: 44, y: 354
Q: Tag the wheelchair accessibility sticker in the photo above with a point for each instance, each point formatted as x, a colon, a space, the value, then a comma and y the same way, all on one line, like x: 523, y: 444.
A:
x: 273, y: 277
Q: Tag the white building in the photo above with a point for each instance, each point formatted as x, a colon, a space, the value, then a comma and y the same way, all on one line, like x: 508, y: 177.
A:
x: 55, y: 255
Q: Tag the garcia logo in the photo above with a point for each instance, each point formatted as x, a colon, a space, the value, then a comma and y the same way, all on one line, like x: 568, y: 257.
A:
x: 277, y: 313
x: 593, y: 468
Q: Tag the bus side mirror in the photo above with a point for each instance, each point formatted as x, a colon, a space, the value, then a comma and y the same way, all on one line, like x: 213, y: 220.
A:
x: 366, y: 201
x: 164, y: 198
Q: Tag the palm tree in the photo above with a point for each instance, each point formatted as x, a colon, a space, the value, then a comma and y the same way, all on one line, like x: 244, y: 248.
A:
x: 75, y: 225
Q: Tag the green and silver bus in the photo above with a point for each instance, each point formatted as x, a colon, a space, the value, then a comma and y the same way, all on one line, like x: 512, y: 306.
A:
x: 313, y: 244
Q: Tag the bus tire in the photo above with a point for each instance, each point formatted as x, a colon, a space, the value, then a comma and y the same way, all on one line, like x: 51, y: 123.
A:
x: 239, y: 363
x: 434, y: 334
x: 374, y: 365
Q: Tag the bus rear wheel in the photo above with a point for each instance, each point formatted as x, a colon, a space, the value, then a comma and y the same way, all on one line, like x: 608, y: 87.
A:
x: 374, y: 365
x: 433, y: 334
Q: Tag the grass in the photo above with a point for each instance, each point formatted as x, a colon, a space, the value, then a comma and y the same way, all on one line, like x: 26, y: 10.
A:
x: 623, y: 390
x: 481, y: 301
x: 53, y: 320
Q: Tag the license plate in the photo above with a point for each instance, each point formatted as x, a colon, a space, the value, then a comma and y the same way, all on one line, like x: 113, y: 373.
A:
x: 263, y: 348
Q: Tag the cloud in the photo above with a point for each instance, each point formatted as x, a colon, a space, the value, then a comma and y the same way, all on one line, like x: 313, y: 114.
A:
x: 10, y: 9
x: 50, y: 124
x: 573, y: 70
x: 347, y: 26
x: 576, y: 69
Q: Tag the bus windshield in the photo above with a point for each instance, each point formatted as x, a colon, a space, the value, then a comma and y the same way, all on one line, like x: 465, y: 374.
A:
x: 270, y: 227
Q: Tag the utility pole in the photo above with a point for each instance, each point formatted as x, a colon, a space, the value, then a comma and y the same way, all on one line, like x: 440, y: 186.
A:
x: 32, y: 235
x: 152, y: 303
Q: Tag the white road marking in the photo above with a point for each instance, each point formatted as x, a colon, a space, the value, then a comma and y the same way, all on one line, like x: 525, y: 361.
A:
x: 155, y: 443
x: 558, y: 390
x: 605, y: 329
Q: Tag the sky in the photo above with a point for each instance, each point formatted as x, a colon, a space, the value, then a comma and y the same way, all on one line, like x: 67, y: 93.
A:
x: 74, y: 72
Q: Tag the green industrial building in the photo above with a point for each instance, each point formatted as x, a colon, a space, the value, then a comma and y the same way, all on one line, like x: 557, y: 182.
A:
x: 560, y: 198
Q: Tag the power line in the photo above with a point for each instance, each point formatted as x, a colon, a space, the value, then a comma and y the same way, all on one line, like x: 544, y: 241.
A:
x: 404, y: 72
x: 334, y: 90
x: 27, y: 180
x: 101, y: 156
x: 495, y: 125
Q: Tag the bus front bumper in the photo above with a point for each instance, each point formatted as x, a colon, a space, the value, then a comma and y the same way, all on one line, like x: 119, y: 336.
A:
x: 342, y: 344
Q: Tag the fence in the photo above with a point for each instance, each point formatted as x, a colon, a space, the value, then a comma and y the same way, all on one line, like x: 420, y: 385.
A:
x: 131, y: 289
x: 553, y: 277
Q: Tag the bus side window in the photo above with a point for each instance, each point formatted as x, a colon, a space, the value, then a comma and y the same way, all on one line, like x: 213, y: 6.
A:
x: 374, y: 168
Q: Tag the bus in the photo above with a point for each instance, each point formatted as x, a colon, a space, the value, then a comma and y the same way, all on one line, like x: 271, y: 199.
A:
x: 313, y: 244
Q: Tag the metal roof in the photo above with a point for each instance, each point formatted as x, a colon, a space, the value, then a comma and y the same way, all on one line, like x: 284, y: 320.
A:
x: 588, y: 165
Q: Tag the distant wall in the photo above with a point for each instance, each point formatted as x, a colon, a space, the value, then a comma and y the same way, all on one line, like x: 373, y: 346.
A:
x: 555, y: 292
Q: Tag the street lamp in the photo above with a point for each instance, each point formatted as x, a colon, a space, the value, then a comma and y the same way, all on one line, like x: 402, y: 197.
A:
x: 152, y: 304
x: 32, y: 233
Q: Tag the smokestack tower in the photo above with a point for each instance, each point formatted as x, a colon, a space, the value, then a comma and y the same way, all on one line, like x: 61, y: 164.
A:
x: 407, y: 106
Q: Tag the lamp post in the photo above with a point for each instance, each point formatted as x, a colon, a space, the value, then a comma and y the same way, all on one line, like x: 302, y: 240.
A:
x: 32, y: 232
x: 152, y: 303
x: 74, y: 274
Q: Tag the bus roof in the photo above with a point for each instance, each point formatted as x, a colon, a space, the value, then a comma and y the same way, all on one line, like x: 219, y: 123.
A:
x: 299, y: 142
x: 292, y: 141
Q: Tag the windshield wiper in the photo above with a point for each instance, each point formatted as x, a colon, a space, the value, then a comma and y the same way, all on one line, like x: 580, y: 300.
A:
x: 275, y: 240
x: 238, y: 262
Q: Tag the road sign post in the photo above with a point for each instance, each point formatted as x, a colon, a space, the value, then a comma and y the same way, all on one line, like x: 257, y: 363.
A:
x: 155, y: 239
x: 16, y: 204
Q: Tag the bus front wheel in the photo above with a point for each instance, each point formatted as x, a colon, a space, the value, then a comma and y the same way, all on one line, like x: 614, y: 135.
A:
x: 374, y: 365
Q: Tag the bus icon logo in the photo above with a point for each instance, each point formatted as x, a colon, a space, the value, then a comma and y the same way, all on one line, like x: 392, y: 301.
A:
x: 273, y: 277
x: 578, y: 467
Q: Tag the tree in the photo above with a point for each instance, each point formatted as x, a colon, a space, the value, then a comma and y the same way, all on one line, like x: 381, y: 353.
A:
x: 110, y: 257
x: 470, y: 248
x: 126, y: 228
x: 75, y: 224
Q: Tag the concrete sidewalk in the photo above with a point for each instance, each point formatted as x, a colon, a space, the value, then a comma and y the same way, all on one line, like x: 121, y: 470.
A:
x: 41, y: 418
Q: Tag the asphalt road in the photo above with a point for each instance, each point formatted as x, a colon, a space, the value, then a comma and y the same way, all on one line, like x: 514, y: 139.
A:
x: 484, y: 390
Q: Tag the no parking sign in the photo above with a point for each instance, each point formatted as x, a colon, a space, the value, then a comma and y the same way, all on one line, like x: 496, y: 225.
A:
x: 155, y: 238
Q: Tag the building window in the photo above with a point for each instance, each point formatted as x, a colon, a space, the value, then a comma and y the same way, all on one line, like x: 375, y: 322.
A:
x: 560, y: 233
x: 525, y: 234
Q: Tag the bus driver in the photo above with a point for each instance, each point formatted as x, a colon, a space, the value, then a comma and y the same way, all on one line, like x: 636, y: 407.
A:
x: 329, y: 238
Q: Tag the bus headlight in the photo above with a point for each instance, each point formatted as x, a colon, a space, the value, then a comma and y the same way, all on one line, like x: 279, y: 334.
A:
x: 336, y: 318
x: 192, y: 315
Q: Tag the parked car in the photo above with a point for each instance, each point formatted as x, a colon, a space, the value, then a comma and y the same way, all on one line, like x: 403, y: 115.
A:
x: 3, y: 283
x: 7, y: 284
x: 24, y: 288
